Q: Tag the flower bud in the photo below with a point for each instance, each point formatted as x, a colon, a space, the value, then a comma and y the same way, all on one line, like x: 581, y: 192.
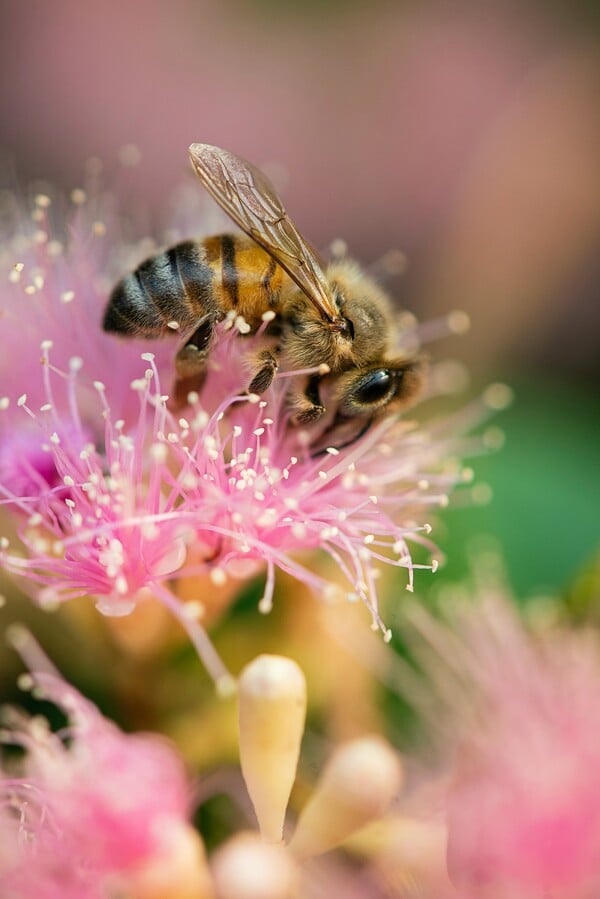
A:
x: 272, y: 709
x: 247, y: 868
x: 356, y: 786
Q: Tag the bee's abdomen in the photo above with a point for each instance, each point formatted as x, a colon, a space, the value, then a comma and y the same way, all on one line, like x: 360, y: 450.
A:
x: 247, y: 279
x: 172, y: 290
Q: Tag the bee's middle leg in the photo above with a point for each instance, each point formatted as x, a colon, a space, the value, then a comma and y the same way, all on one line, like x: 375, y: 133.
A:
x: 267, y: 365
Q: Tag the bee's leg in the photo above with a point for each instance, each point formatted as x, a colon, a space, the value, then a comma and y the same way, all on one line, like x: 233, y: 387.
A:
x: 191, y: 358
x: 330, y: 432
x: 308, y: 414
x: 190, y: 363
x: 307, y: 406
x: 268, y: 365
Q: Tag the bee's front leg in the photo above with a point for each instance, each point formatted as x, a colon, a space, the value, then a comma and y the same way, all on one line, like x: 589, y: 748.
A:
x: 307, y: 407
x: 267, y: 364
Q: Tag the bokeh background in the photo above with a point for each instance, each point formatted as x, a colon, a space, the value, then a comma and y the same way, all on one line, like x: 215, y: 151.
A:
x: 467, y: 135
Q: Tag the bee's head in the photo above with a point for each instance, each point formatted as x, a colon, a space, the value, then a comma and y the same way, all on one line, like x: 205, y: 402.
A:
x: 310, y: 339
x: 360, y: 334
x: 366, y: 393
x: 365, y: 322
x: 344, y: 327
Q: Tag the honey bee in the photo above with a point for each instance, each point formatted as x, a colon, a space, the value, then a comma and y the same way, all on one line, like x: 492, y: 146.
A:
x: 333, y: 318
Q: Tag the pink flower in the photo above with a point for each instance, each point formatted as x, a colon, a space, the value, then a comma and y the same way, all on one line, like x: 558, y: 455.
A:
x: 112, y: 495
x: 524, y: 796
x: 86, y: 808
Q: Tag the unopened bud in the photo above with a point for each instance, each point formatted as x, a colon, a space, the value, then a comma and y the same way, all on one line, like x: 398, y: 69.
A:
x: 357, y: 785
x: 247, y: 868
x: 272, y: 709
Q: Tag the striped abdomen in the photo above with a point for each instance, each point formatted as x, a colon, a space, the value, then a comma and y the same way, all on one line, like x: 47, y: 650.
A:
x: 175, y: 289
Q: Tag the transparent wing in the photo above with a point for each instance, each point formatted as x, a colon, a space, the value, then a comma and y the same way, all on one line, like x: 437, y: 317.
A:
x: 250, y: 199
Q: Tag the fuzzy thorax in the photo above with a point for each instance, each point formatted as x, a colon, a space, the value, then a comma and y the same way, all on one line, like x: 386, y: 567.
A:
x: 309, y: 339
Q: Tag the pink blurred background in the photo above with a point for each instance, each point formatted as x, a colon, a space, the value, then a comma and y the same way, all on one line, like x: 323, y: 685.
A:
x: 467, y: 136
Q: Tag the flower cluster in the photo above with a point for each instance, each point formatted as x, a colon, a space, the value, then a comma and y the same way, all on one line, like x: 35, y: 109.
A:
x: 114, y: 496
x: 88, y: 811
x: 361, y: 779
x: 524, y: 807
x: 517, y: 714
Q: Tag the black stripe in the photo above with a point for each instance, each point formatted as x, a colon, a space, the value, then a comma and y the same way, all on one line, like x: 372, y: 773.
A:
x: 130, y: 310
x: 228, y: 268
x: 155, y: 277
x: 137, y: 285
x: 266, y: 281
x: 171, y: 255
x: 195, y: 276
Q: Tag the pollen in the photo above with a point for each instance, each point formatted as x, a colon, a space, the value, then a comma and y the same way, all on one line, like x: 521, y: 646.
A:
x: 218, y: 576
x: 194, y: 610
x: 242, y: 325
x: 130, y: 156
x: 459, y: 322
x: 498, y: 397
x: 78, y: 196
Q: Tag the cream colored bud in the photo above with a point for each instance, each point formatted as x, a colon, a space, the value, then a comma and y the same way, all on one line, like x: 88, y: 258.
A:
x: 247, y: 868
x: 357, y: 785
x: 272, y: 709
x: 179, y: 870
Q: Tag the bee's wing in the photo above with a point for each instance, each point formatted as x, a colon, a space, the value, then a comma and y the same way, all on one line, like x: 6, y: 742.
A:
x: 250, y: 199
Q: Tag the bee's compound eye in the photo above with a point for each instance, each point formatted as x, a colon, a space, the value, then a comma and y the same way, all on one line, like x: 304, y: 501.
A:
x: 375, y: 387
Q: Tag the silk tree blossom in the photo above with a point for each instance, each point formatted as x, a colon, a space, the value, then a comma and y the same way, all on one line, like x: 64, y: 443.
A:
x: 88, y: 812
x: 524, y: 812
x: 523, y: 713
x: 114, y: 496
x: 360, y: 780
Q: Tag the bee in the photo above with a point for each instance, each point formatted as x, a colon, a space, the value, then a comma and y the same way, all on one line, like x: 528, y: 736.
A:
x: 333, y: 318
